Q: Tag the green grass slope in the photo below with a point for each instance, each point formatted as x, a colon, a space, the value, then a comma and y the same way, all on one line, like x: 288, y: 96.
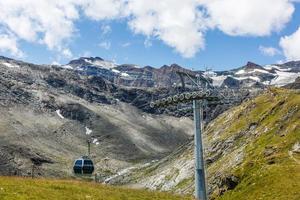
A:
x: 271, y: 165
x: 13, y: 188
x: 252, y: 152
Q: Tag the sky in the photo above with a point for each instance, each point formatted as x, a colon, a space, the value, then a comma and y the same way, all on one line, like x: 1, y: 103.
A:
x: 196, y: 34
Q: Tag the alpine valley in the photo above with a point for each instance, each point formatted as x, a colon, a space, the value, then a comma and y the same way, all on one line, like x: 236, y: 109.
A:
x: 48, y: 111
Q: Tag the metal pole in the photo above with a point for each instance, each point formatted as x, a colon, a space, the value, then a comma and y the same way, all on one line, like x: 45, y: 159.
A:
x: 89, y: 147
x: 200, y: 185
x: 32, y: 171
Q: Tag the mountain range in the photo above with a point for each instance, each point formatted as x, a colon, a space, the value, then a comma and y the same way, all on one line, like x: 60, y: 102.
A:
x: 48, y: 112
x: 129, y: 75
x: 250, y: 75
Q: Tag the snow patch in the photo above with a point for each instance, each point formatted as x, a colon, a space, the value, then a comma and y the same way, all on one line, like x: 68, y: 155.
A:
x: 67, y: 67
x: 261, y: 71
x: 88, y: 131
x: 218, y: 80
x: 59, y: 114
x: 285, y: 69
x: 136, y: 66
x: 102, y: 63
x: 95, y: 140
x: 248, y: 77
x: 242, y: 71
x: 209, y: 73
x: 270, y: 67
x: 124, y: 74
x: 116, y: 71
x: 79, y: 69
x: 11, y: 65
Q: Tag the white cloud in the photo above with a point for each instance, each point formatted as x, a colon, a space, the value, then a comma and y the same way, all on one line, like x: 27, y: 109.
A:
x: 85, y: 54
x: 291, y: 45
x: 103, y: 9
x: 67, y: 53
x: 249, y: 17
x: 147, y: 43
x: 9, y: 44
x: 280, y: 62
x: 269, y: 51
x: 45, y: 22
x: 182, y: 24
x: 105, y: 45
x: 105, y: 29
x: 55, y: 63
x: 179, y: 24
x: 126, y: 44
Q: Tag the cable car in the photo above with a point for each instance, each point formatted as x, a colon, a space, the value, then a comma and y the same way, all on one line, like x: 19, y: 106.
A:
x: 83, y: 165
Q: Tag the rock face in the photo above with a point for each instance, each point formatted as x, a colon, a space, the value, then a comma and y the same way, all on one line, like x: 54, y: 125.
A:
x: 247, y: 150
x: 293, y: 65
x: 231, y: 82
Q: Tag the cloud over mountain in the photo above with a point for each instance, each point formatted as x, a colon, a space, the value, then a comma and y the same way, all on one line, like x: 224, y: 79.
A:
x: 291, y: 45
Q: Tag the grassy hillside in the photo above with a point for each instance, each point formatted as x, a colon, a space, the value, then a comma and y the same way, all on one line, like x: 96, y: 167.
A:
x: 13, y: 188
x: 271, y: 166
x: 252, y: 152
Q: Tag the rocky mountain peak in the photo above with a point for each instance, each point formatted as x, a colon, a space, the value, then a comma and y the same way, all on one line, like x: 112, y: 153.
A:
x: 5, y: 58
x: 85, y: 60
x: 172, y: 67
x: 293, y: 66
x: 251, y: 66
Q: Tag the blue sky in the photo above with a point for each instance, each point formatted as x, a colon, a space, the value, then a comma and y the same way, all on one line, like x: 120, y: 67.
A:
x: 125, y: 37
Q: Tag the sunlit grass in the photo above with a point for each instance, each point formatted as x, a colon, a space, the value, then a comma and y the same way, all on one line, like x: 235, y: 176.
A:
x: 16, y: 188
x: 277, y: 115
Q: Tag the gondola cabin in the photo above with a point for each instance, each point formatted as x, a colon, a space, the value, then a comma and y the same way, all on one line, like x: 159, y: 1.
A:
x: 83, y: 166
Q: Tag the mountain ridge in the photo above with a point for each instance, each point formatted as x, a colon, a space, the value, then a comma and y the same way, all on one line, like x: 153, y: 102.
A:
x: 130, y: 75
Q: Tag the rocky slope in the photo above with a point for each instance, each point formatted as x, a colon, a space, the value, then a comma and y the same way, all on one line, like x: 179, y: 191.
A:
x: 251, y: 150
x: 47, y: 113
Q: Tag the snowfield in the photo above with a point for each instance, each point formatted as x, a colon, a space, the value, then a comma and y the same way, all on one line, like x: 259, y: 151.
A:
x: 218, y: 80
x: 282, y: 75
x: 247, y: 77
x: 284, y: 78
